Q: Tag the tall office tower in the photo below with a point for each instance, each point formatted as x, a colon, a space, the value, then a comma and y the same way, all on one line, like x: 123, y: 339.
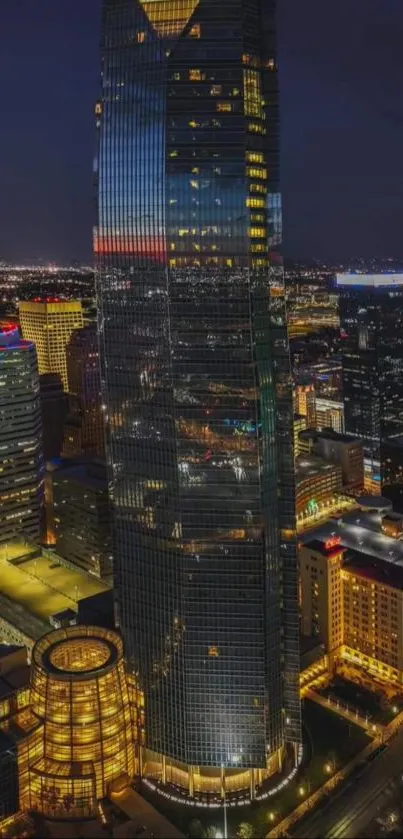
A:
x: 81, y: 516
x: 49, y: 323
x: 197, y: 383
x: 21, y: 476
x: 54, y: 407
x: 371, y: 317
x: 84, y: 430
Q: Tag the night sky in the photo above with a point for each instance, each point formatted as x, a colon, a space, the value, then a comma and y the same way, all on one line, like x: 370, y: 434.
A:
x: 342, y: 127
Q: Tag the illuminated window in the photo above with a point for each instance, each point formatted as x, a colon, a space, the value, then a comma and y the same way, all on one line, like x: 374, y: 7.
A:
x: 255, y: 202
x: 257, y: 232
x: 224, y: 107
x: 141, y: 36
x: 195, y: 31
x: 213, y: 652
x: 256, y: 172
x: 252, y: 94
x: 195, y: 75
x: 255, y: 157
x: 216, y: 90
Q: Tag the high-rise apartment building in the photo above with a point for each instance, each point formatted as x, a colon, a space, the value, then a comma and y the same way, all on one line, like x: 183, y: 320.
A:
x: 84, y: 429
x: 197, y: 383
x: 49, y: 323
x: 371, y: 317
x: 21, y: 475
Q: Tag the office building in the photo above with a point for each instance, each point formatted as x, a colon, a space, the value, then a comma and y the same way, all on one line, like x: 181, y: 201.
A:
x: 49, y: 322
x: 84, y: 429
x: 329, y: 414
x: 299, y: 425
x: 54, y: 408
x: 318, y: 483
x: 305, y: 403
x: 337, y: 448
x: 352, y: 592
x: 371, y: 316
x: 197, y: 384
x: 81, y: 516
x: 21, y: 476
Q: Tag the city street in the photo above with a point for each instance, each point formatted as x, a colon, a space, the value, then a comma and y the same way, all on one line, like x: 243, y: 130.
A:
x: 360, y: 800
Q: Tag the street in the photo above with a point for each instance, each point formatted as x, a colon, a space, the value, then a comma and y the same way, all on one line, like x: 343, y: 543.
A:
x: 348, y: 812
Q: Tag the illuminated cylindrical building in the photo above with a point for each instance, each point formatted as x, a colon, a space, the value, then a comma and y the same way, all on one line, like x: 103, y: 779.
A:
x: 84, y: 739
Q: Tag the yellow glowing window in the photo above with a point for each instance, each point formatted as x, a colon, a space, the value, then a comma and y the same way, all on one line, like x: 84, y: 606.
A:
x: 183, y: 231
x: 172, y: 246
x: 257, y: 232
x: 258, y: 188
x: 216, y: 90
x: 193, y: 124
x: 194, y: 184
x: 255, y: 202
x: 195, y: 170
x: 224, y: 107
x: 195, y: 31
x: 256, y: 128
x: 195, y: 75
x: 255, y: 157
x: 259, y: 263
x: 141, y: 36
x: 172, y: 263
x: 258, y: 217
x: 213, y: 652
x: 98, y: 108
x: 173, y: 153
x: 229, y: 263
x: 250, y: 59
x: 256, y: 172
x: 258, y: 248
x: 252, y: 94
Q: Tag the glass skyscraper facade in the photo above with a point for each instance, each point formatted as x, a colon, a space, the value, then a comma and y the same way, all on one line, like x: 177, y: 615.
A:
x: 371, y: 318
x: 196, y: 375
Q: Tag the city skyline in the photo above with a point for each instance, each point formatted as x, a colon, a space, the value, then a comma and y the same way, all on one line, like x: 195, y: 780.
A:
x: 337, y: 118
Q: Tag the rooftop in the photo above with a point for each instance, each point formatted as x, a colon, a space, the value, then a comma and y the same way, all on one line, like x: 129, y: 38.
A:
x: 34, y: 585
x: 307, y: 466
x: 378, y: 570
x: 328, y: 434
x: 361, y: 532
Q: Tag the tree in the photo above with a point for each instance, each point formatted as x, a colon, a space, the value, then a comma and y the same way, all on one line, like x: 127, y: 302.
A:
x: 245, y: 830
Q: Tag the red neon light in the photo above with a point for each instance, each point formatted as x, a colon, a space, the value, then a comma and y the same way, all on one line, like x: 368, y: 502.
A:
x: 333, y: 542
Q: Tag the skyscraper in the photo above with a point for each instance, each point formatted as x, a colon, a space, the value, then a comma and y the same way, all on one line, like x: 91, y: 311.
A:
x: 84, y: 429
x: 21, y: 476
x: 49, y: 323
x: 197, y: 383
x: 371, y: 317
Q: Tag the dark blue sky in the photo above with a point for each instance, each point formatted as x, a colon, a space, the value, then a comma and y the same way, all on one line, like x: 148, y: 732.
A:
x: 342, y: 127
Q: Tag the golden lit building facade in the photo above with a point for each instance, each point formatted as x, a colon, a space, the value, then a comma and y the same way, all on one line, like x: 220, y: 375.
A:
x: 317, y: 485
x: 354, y: 604
x: 305, y: 403
x: 49, y: 324
x: 79, y: 728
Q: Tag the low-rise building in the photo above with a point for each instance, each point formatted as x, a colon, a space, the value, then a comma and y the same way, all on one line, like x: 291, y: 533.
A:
x: 337, y: 448
x: 317, y: 484
x: 351, y: 577
x: 35, y: 585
